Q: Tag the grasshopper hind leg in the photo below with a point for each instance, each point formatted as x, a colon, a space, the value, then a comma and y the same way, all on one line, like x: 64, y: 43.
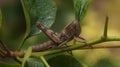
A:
x: 48, y: 32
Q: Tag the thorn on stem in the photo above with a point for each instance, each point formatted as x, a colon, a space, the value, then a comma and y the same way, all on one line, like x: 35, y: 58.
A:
x: 106, y: 27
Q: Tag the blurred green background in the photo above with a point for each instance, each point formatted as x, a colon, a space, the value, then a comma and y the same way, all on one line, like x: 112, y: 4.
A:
x: 13, y: 29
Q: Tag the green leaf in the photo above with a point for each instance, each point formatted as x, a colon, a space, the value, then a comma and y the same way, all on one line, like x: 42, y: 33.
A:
x: 0, y: 17
x: 33, y: 62
x: 2, y: 64
x: 8, y: 62
x: 26, y: 56
x: 64, y: 61
x: 12, y: 23
x: 81, y: 7
x: 43, y: 11
x: 105, y: 62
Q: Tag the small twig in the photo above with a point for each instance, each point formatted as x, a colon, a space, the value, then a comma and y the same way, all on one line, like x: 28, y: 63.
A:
x: 4, y: 46
x: 2, y: 55
x: 6, y: 51
x: 2, y: 51
x: 1, y: 43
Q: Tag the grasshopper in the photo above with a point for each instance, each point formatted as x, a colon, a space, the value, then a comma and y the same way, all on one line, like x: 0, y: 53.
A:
x: 70, y: 32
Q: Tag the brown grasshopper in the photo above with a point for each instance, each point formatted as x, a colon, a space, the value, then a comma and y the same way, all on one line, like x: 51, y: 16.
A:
x: 70, y: 32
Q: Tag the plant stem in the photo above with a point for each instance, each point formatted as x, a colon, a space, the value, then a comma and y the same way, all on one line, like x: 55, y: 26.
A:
x: 73, y: 47
x: 78, y: 46
x: 101, y: 47
x: 27, y: 18
x: 44, y: 61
